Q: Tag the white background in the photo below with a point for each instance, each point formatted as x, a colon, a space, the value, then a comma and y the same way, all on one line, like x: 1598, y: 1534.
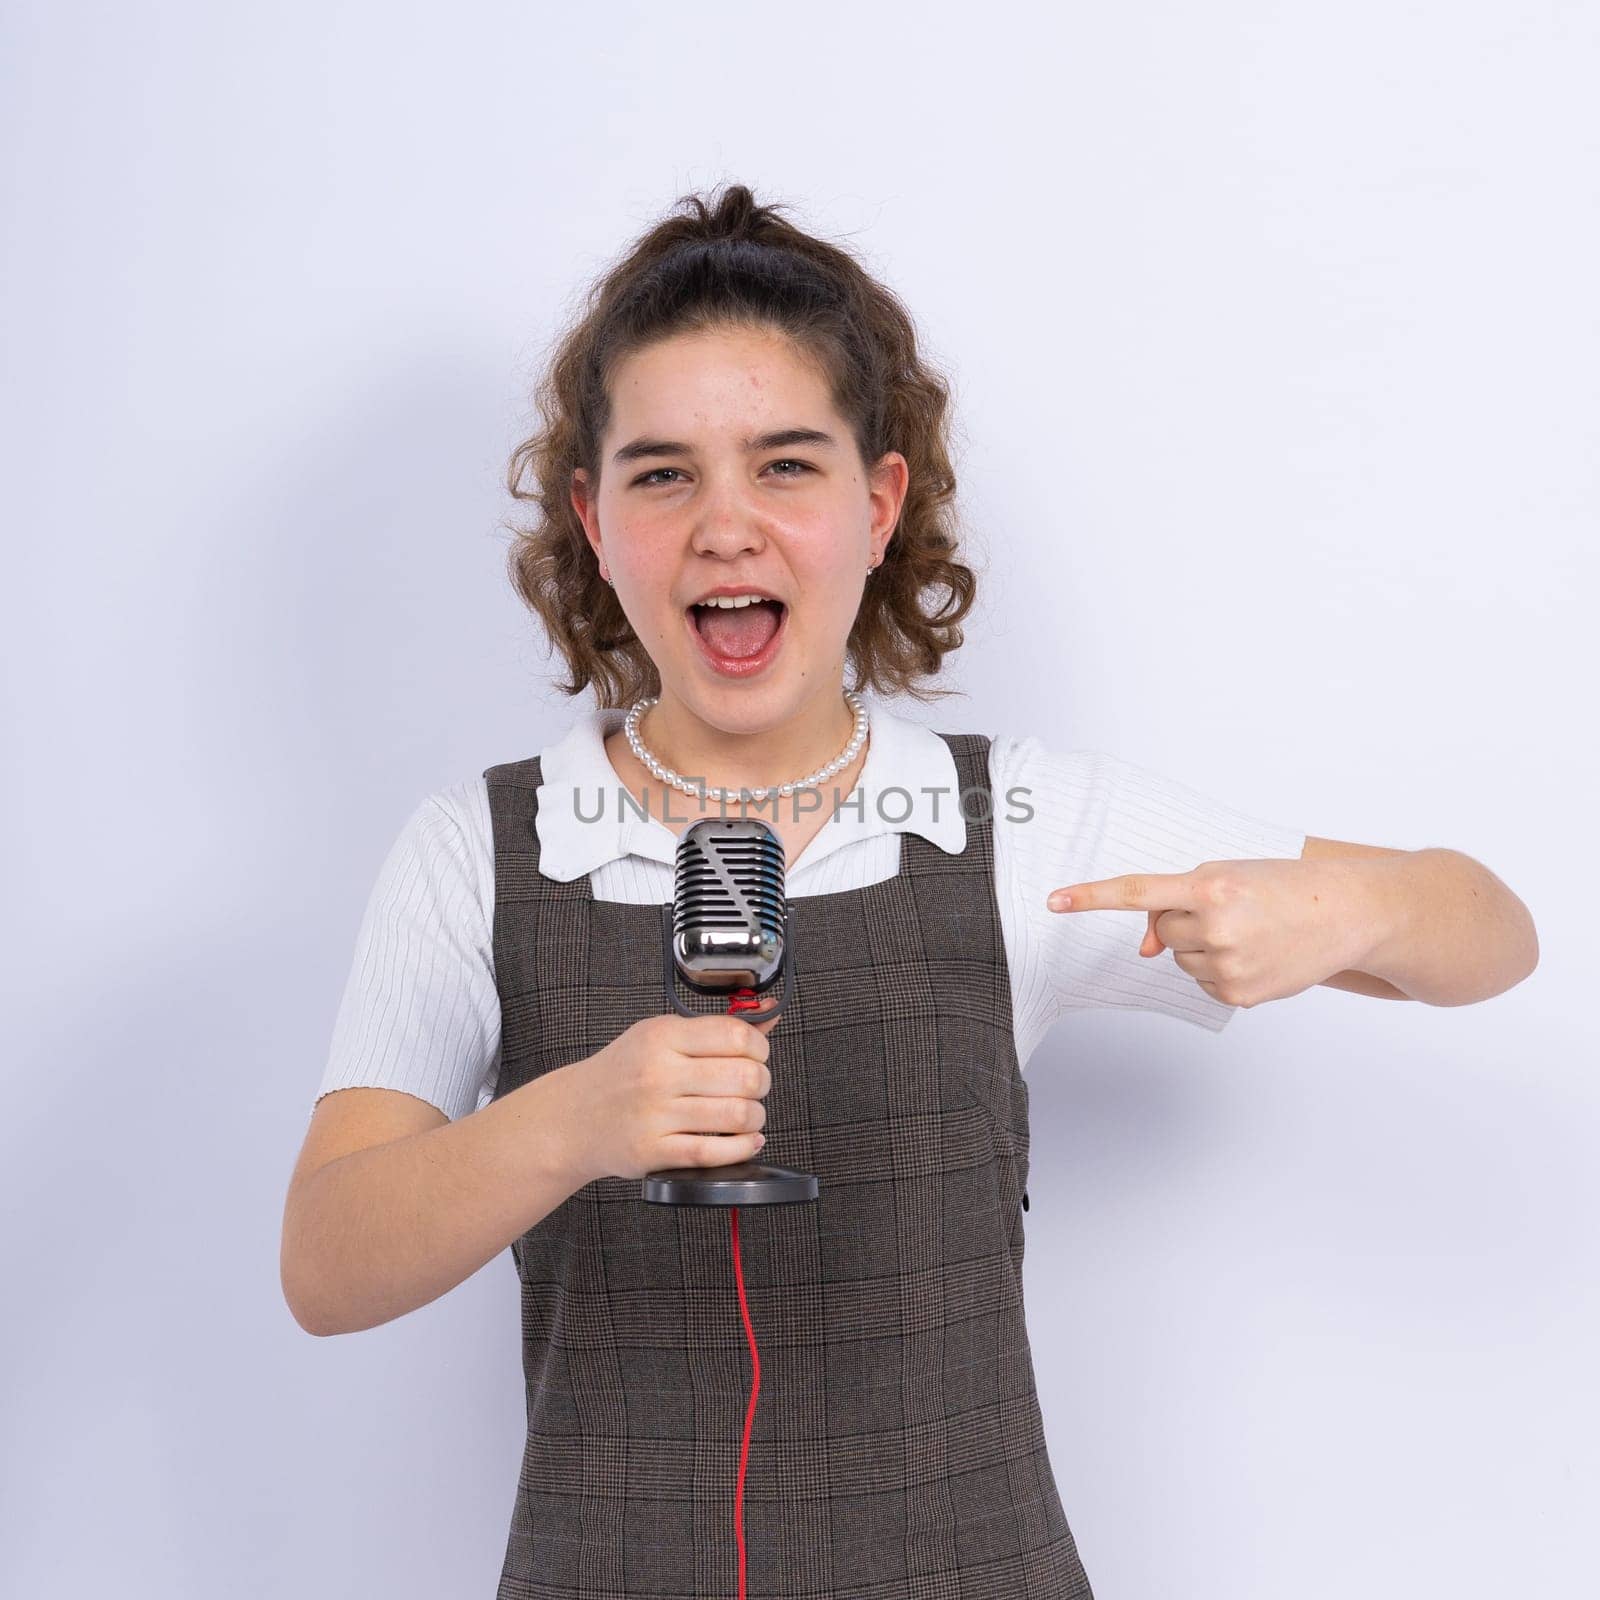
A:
x: 1274, y: 340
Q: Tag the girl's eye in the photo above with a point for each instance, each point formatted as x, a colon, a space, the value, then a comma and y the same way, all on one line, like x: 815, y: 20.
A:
x: 654, y: 476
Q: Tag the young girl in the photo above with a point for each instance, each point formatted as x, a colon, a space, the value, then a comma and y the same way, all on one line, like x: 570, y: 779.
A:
x: 743, y: 504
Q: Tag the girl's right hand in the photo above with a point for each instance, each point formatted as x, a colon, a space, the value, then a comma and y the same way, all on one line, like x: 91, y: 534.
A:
x: 670, y: 1091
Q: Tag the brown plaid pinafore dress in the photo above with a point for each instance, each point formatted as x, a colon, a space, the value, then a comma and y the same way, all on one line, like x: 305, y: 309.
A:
x: 897, y: 1449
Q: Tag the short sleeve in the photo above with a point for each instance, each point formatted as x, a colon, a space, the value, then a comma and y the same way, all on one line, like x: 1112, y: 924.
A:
x: 1080, y: 816
x: 420, y: 1010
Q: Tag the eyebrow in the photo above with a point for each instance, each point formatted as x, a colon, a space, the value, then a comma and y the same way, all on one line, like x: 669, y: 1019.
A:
x: 778, y: 439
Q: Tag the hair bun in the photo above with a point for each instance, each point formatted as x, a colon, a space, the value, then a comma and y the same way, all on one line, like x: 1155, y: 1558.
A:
x: 736, y: 214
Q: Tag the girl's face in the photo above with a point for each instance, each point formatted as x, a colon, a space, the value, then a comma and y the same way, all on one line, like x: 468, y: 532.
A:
x: 725, y: 468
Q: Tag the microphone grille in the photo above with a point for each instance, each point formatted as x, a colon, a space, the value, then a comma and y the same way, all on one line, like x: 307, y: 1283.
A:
x: 728, y: 902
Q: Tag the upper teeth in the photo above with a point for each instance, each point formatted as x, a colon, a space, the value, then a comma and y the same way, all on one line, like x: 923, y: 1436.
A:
x: 729, y: 601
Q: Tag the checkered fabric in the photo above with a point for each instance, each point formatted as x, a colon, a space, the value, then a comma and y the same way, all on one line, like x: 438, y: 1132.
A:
x: 897, y: 1449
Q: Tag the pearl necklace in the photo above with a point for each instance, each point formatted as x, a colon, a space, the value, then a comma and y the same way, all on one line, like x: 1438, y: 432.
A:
x: 690, y: 786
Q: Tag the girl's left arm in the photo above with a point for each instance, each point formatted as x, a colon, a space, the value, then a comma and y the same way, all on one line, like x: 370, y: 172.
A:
x: 1432, y: 925
x: 1439, y: 926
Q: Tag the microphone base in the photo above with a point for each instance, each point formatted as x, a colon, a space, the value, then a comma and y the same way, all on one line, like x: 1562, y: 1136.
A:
x: 740, y: 1183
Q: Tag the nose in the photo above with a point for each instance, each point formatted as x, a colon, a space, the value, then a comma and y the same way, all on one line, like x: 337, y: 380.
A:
x: 724, y: 527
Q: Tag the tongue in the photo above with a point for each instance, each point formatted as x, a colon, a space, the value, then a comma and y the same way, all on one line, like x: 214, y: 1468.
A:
x: 739, y: 631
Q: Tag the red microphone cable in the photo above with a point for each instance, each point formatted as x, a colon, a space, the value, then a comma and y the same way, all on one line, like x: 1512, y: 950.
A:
x: 743, y: 1000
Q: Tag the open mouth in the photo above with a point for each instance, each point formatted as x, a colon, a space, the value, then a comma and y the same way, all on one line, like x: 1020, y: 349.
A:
x: 738, y: 634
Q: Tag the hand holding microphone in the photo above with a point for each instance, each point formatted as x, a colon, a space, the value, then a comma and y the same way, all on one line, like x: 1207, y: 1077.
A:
x: 726, y: 935
x: 671, y: 1092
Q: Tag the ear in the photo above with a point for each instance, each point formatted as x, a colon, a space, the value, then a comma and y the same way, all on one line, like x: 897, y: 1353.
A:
x: 583, y: 502
x: 888, y: 482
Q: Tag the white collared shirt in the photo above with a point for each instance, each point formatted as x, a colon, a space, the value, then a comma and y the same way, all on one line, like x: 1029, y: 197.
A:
x: 421, y: 1013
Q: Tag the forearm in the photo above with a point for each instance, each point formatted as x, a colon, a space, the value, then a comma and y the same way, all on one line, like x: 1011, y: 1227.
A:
x: 1444, y: 929
x: 382, y: 1231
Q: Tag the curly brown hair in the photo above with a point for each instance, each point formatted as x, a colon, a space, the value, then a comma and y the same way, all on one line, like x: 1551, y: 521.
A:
x: 736, y: 263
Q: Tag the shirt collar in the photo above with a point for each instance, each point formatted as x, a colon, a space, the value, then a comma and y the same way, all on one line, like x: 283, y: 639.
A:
x: 908, y: 784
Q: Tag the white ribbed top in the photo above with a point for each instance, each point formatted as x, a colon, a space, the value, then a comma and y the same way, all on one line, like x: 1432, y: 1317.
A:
x: 420, y: 1012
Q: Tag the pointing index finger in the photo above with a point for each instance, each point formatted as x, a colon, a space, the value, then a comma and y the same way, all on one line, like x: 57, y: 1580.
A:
x: 1134, y: 891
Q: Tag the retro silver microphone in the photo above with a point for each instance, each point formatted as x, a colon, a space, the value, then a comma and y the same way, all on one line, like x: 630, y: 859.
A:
x: 727, y: 929
x: 729, y: 915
